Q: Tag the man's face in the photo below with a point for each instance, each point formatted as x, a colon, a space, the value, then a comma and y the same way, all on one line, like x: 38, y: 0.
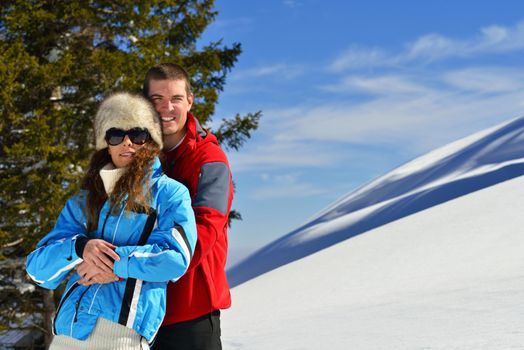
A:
x: 172, y: 103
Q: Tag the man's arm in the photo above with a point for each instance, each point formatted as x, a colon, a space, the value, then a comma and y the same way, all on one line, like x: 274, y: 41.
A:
x: 211, y: 205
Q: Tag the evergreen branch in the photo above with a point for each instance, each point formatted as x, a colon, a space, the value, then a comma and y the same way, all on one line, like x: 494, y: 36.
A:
x: 232, y: 134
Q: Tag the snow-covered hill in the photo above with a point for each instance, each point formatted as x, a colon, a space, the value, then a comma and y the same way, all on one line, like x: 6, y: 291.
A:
x: 440, y: 266
x: 450, y: 277
x: 475, y: 162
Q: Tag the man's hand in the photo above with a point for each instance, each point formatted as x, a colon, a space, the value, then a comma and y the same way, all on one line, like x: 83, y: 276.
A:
x: 99, y: 253
x: 92, y: 274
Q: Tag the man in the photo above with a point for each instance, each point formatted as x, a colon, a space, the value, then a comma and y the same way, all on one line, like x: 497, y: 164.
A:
x: 193, y: 157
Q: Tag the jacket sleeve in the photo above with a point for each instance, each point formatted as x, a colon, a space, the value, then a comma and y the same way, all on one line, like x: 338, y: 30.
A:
x: 170, y: 247
x: 55, y: 254
x: 211, y: 205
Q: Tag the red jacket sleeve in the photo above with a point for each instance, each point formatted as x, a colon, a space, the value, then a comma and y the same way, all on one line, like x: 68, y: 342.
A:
x: 211, y: 204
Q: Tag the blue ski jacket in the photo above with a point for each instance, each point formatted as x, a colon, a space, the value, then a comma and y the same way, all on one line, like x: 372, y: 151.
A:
x: 155, y: 246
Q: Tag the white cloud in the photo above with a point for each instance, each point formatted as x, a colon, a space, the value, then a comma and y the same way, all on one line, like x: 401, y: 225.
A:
x: 407, y: 113
x: 432, y: 47
x: 446, y: 106
x: 285, y: 186
x: 495, y: 80
x: 385, y: 84
x: 355, y: 58
x: 411, y: 109
x: 279, y: 70
x: 271, y: 154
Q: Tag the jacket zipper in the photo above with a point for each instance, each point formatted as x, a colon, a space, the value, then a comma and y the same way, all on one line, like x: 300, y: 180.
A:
x: 77, y: 304
x: 73, y: 287
x: 67, y: 294
x: 105, y: 221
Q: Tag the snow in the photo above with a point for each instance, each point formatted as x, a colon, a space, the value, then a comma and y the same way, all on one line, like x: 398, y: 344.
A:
x: 428, y: 256
x: 36, y: 166
x: 475, y: 162
x: 450, y: 277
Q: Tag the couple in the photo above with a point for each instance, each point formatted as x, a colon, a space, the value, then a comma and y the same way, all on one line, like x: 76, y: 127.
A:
x: 131, y: 229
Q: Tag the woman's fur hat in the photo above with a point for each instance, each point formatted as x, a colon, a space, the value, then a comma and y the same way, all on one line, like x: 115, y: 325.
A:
x: 125, y: 111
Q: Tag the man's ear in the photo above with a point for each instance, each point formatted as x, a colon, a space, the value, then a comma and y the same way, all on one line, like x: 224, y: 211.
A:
x: 190, y: 98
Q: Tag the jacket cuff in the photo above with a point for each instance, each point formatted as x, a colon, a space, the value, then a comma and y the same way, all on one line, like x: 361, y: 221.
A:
x: 120, y: 266
x: 80, y: 244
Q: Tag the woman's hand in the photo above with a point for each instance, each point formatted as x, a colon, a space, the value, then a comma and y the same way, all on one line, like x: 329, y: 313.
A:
x: 91, y: 274
x: 101, y: 254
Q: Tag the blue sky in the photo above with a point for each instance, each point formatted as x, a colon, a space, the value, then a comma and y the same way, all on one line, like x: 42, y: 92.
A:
x: 352, y: 89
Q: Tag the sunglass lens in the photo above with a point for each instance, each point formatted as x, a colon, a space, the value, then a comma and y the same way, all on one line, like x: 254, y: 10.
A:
x: 115, y: 136
x: 138, y: 136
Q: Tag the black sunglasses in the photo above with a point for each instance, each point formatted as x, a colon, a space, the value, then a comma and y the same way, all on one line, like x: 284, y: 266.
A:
x: 138, y: 136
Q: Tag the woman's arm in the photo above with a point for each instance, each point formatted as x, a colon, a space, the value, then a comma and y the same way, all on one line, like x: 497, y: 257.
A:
x: 91, y: 274
x: 170, y: 247
x: 55, y: 254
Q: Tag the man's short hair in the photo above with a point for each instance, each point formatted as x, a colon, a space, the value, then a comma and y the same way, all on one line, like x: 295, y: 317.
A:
x: 166, y: 71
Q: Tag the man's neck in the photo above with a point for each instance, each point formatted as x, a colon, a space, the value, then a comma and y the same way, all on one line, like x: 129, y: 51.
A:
x: 171, y: 141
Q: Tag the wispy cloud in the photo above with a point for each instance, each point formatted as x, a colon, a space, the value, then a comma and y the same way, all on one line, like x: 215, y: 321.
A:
x: 356, y: 57
x: 273, y: 154
x: 491, y: 40
x: 380, y: 85
x: 279, y: 70
x: 284, y: 186
x: 482, y: 80
x: 403, y: 112
x: 432, y: 47
x: 487, y: 80
x: 411, y: 109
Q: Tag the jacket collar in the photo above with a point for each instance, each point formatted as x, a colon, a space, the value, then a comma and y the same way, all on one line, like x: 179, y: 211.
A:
x: 157, y: 170
x: 194, y: 134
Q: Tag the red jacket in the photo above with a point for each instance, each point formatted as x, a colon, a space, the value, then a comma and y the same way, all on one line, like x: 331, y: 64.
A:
x: 201, y: 165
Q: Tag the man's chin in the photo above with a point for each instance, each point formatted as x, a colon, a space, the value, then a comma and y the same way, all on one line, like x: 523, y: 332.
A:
x: 169, y: 132
x: 170, y: 127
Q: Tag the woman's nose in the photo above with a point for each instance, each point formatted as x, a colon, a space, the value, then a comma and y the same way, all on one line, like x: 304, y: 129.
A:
x: 127, y: 141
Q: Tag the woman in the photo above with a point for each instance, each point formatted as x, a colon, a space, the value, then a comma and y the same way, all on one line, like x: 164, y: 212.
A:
x: 133, y: 227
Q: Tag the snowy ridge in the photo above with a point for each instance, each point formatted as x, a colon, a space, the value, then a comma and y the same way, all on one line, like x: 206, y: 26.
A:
x: 470, y: 164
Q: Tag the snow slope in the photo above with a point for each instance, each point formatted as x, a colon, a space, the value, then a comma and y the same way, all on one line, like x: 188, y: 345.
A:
x: 473, y: 163
x: 449, y: 277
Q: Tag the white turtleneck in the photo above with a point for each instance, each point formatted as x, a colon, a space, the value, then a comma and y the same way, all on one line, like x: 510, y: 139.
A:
x: 110, y: 175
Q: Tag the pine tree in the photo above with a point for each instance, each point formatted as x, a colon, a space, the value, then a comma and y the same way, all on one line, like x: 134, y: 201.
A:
x: 59, y: 59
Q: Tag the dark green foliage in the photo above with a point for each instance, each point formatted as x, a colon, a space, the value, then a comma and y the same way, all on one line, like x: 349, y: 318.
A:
x: 233, y: 133
x: 233, y: 215
x: 58, y: 60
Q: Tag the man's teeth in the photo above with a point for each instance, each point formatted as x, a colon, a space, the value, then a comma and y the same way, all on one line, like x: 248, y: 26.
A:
x: 168, y: 119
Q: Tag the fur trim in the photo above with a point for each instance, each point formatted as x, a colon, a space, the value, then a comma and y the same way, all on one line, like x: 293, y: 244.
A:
x: 126, y: 111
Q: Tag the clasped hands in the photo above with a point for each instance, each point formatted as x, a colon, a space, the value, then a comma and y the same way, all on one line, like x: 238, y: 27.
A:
x: 97, y: 266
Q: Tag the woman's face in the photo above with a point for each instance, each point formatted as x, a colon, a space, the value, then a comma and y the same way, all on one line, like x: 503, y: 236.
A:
x: 122, y: 153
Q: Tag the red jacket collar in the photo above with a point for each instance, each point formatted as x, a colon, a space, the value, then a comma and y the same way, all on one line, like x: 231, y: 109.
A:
x: 194, y: 135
